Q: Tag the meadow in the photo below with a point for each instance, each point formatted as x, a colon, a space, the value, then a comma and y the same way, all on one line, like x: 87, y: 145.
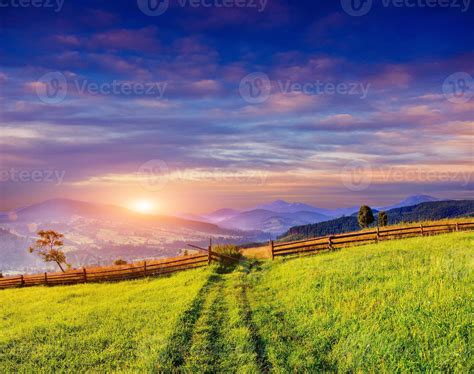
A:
x: 93, y: 327
x: 402, y: 305
x: 397, y: 306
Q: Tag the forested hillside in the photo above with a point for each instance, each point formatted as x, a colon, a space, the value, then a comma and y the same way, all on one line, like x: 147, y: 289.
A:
x: 422, y: 212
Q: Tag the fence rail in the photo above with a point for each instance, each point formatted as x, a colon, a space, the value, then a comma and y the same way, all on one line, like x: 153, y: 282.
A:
x: 331, y: 242
x: 110, y: 274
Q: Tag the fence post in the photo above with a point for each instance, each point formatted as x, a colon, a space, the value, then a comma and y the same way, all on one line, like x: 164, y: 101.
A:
x: 22, y: 281
x: 272, y: 248
x: 421, y: 230
x: 144, y: 268
x: 209, y: 252
x: 84, y: 274
x: 378, y: 234
x: 46, y: 278
x: 330, y: 247
x: 457, y: 226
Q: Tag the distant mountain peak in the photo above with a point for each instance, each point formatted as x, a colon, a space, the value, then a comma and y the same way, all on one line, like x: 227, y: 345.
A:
x: 282, y: 206
x: 221, y: 215
x: 421, y: 197
x: 283, y: 202
x: 411, y: 200
x: 224, y: 211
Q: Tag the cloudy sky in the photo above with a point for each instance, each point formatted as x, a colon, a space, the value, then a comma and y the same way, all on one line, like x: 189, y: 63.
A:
x: 204, y: 104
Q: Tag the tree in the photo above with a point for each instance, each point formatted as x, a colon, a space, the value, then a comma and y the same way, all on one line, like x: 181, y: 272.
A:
x: 366, y: 216
x: 383, y: 219
x: 48, y: 247
x: 120, y: 262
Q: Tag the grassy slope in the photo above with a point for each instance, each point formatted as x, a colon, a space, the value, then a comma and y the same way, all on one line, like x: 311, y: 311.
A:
x: 397, y: 306
x: 98, y: 326
x: 402, y: 305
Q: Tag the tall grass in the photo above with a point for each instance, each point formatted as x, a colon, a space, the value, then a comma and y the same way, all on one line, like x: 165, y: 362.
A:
x: 397, y: 306
x: 95, y: 327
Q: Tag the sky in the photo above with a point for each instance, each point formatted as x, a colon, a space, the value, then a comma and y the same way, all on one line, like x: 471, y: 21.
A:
x: 204, y: 104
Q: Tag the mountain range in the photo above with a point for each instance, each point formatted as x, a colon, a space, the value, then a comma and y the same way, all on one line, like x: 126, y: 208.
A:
x: 279, y: 216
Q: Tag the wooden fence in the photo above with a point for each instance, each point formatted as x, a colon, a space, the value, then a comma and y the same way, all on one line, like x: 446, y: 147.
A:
x: 113, y: 273
x: 331, y: 242
x: 172, y: 265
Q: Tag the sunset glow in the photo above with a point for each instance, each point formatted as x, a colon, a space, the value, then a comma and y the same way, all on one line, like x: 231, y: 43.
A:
x: 183, y: 108
x: 144, y: 206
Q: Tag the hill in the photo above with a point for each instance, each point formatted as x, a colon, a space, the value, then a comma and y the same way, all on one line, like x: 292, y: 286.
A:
x: 270, y: 221
x: 429, y: 211
x: 396, y: 306
x: 221, y: 214
x: 393, y: 307
x: 64, y: 210
x: 281, y: 206
x: 411, y: 200
x: 98, y: 234
x: 100, y: 328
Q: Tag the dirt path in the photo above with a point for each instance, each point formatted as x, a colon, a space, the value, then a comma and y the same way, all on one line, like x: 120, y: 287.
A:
x: 216, y: 333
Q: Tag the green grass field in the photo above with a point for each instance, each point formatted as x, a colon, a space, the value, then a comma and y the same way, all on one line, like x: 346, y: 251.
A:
x: 95, y: 327
x: 397, y: 306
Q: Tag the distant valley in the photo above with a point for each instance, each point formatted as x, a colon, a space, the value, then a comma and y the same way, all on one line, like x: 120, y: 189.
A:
x: 98, y: 234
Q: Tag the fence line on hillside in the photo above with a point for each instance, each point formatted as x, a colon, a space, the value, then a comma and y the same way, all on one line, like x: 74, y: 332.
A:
x: 331, y: 242
x: 173, y: 265
x: 114, y: 273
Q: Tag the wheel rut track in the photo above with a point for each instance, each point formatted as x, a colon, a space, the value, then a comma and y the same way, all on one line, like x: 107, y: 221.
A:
x: 197, y: 343
x: 207, y: 334
x: 259, y: 345
x: 174, y: 355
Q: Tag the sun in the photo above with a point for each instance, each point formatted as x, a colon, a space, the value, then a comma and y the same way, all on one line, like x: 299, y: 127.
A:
x: 143, y: 206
